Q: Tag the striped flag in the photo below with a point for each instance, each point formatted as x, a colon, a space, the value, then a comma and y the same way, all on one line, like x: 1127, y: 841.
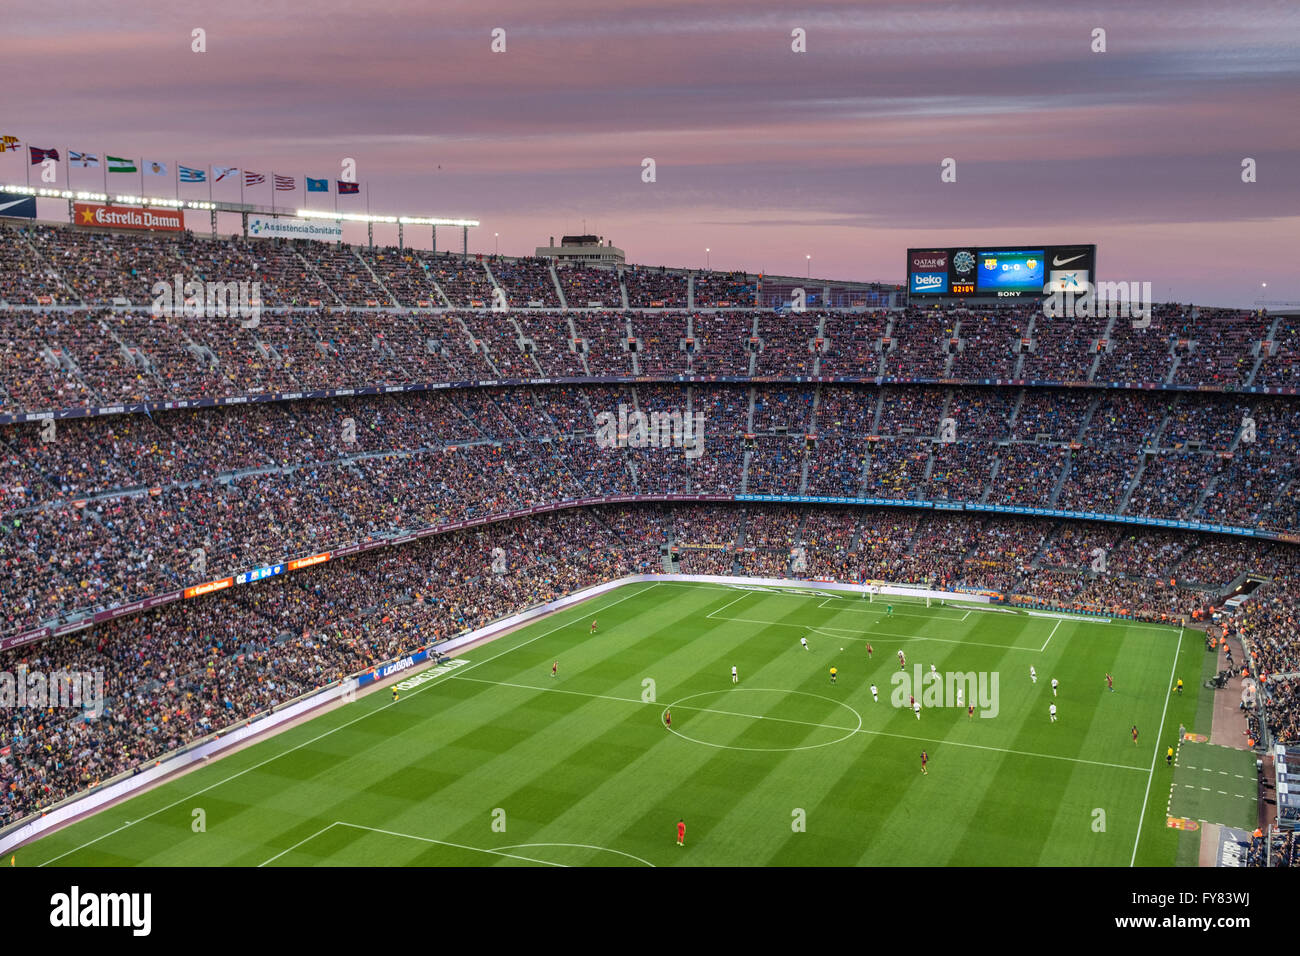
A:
x: 284, y: 183
x: 116, y: 164
x: 348, y: 189
x: 253, y: 179
x: 9, y: 142
x: 88, y: 160
x: 41, y: 155
x: 221, y: 172
x: 189, y: 175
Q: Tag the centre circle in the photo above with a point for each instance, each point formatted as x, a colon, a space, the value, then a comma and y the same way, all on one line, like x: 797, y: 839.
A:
x: 848, y: 731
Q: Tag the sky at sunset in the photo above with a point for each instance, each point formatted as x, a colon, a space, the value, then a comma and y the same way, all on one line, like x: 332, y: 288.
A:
x: 762, y: 154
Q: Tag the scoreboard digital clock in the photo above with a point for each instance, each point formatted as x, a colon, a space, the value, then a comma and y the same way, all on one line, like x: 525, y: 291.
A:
x: 1001, y: 272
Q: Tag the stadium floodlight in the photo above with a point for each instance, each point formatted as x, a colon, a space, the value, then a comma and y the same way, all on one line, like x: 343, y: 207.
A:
x: 429, y: 221
x: 342, y: 216
x: 367, y: 217
x: 25, y: 190
x: 93, y: 197
x: 149, y: 201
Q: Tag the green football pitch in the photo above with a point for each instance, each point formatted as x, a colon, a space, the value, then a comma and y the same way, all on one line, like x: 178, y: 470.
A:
x: 494, y: 762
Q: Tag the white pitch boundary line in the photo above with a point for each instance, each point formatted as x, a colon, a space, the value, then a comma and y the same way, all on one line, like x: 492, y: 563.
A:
x: 377, y: 710
x: 1155, y: 753
x: 806, y: 723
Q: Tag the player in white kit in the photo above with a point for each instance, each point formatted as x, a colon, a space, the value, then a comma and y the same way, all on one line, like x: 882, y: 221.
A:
x: 916, y: 709
x: 1033, y: 674
x: 735, y: 676
x: 1053, y: 686
x: 1052, y: 711
x: 959, y: 693
x: 875, y: 695
x: 804, y: 642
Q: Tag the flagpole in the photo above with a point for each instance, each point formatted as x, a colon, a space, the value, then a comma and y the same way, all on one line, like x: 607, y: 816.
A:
x: 273, y: 193
x: 210, y: 175
x: 105, y: 177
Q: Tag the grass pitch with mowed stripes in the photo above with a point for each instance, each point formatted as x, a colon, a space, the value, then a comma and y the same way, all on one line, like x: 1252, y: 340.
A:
x: 495, y: 762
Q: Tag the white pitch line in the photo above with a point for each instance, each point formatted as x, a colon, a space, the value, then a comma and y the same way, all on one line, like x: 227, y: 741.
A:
x: 725, y: 606
x: 377, y: 710
x: 860, y: 631
x: 298, y: 844
x: 459, y: 846
x: 1160, y: 733
x: 1049, y: 638
x: 806, y: 723
x: 923, y: 617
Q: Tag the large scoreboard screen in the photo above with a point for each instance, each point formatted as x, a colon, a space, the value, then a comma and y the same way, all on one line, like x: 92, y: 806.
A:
x: 999, y: 272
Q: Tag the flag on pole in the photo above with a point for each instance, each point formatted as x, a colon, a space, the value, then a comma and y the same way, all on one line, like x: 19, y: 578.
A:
x: 155, y: 168
x: 221, y: 172
x: 349, y: 189
x: 86, y: 160
x: 9, y: 142
x: 189, y: 175
x: 317, y: 185
x: 253, y: 179
x: 41, y: 155
x: 284, y: 183
x: 116, y: 164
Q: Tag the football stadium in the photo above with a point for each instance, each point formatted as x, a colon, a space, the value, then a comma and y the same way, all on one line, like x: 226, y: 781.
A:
x: 332, y: 534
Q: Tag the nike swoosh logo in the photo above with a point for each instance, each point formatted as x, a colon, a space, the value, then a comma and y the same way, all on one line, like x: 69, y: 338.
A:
x: 15, y: 202
x: 1057, y: 261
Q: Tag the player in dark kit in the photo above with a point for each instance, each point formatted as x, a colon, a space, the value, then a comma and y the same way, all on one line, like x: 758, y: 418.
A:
x: 681, y: 833
x: 555, y: 668
x: 668, y: 719
x: 593, y: 627
x: 868, y: 650
x: 1135, y: 735
x: 925, y: 758
x: 1110, y: 682
x: 970, y: 712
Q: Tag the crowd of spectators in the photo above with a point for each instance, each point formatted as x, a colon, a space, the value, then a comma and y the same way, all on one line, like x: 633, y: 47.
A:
x: 109, y: 509
x: 1286, y: 849
x: 526, y: 282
